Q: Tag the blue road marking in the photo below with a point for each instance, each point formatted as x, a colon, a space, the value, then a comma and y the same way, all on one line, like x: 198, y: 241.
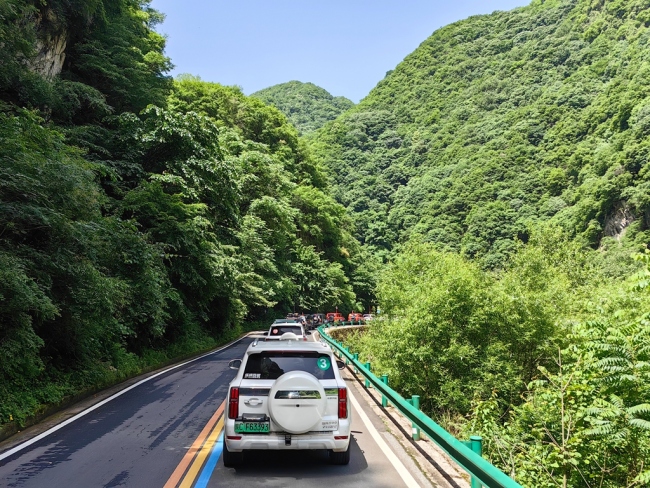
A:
x: 217, y: 449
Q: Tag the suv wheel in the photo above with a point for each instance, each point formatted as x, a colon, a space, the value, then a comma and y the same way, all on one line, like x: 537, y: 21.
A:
x: 340, y: 458
x: 232, y: 459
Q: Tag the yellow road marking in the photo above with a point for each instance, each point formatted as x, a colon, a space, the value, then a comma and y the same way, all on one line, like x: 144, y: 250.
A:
x: 196, y: 446
x: 203, y: 454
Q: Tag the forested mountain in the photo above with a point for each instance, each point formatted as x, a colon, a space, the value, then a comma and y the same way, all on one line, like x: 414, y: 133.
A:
x: 500, y: 121
x: 140, y: 217
x: 501, y: 171
x: 307, y: 106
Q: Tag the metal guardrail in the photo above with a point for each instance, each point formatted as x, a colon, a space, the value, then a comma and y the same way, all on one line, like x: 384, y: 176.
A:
x: 482, y: 472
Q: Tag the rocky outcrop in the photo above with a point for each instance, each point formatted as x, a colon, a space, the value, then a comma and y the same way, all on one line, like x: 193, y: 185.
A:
x: 618, y: 220
x: 51, y: 56
x: 50, y: 47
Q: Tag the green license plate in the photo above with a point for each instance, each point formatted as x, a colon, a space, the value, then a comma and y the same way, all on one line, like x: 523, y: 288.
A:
x: 252, y: 427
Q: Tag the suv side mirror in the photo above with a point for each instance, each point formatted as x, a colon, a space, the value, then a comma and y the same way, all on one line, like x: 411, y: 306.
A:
x: 234, y: 364
x: 340, y: 364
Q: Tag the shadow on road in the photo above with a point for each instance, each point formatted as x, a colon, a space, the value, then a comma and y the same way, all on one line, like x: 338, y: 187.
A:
x: 264, y: 465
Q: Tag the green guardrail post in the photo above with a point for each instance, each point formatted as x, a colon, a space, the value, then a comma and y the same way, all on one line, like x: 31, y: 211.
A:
x: 384, y: 400
x: 347, y: 349
x: 367, y: 365
x: 415, y: 401
x: 356, y: 358
x: 476, y: 445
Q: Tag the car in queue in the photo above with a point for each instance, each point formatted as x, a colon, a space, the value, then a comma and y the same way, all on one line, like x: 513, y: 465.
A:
x: 334, y: 317
x: 316, y: 320
x: 287, y: 395
x: 355, y: 317
x: 285, y: 321
x: 277, y: 330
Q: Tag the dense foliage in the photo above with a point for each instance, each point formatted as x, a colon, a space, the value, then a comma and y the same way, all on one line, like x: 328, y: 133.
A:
x: 307, y: 106
x: 140, y: 217
x: 548, y: 360
x: 502, y: 120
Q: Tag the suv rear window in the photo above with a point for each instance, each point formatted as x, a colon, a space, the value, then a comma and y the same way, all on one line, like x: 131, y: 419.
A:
x: 270, y: 365
x: 278, y: 330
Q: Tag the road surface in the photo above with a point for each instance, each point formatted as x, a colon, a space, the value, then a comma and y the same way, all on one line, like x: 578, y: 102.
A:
x: 167, y: 432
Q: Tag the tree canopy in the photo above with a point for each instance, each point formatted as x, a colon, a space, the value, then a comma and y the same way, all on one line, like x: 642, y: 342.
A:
x: 144, y: 217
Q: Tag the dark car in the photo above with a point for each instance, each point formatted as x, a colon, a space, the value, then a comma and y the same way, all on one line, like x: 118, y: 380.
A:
x: 317, y: 320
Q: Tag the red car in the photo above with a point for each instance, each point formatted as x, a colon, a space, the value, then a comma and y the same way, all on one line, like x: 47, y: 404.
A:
x: 334, y: 317
x: 355, y: 317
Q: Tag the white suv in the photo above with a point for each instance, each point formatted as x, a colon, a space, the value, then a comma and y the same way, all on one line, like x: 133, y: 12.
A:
x: 289, y: 395
x: 278, y: 329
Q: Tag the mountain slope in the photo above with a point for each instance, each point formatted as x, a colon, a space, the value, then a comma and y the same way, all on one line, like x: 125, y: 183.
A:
x: 540, y: 113
x: 307, y: 106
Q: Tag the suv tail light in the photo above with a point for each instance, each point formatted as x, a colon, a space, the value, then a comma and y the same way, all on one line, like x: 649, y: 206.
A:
x: 233, y: 406
x: 343, y: 403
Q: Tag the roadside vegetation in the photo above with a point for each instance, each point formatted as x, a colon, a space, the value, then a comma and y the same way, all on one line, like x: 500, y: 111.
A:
x: 547, y: 359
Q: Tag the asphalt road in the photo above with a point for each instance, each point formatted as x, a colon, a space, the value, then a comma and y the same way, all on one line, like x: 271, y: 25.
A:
x: 140, y: 439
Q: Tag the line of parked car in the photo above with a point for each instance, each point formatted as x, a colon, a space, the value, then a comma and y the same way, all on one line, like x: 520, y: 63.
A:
x: 312, y: 321
x: 288, y: 393
x: 353, y: 317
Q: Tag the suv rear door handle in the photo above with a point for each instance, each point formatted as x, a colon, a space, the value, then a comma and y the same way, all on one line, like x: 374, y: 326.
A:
x: 253, y: 402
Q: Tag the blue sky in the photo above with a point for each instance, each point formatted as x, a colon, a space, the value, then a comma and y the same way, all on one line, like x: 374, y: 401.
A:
x: 344, y: 46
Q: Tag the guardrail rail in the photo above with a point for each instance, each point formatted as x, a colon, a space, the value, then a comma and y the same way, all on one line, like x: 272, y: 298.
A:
x: 482, y: 472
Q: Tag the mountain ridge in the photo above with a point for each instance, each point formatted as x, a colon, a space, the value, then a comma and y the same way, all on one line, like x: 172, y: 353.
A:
x: 307, y: 106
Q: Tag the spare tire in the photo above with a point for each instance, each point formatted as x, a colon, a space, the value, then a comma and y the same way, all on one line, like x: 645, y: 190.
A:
x: 297, y: 402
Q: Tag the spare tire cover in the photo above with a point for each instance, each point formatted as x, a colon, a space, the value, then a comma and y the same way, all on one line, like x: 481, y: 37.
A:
x: 297, y: 402
x: 288, y: 336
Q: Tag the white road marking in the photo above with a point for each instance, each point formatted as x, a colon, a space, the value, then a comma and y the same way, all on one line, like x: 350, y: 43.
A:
x: 397, y: 464
x: 28, y: 443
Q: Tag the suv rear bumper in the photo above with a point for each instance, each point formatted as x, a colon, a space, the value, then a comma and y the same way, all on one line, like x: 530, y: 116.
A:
x: 277, y: 442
